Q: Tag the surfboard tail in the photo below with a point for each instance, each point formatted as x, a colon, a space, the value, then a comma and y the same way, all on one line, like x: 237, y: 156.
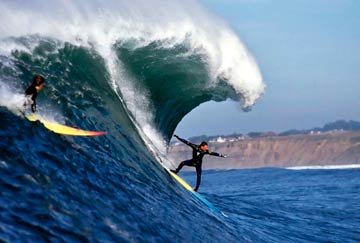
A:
x: 196, y: 194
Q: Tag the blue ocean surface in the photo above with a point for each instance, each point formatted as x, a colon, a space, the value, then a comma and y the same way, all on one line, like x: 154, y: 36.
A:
x: 281, y: 205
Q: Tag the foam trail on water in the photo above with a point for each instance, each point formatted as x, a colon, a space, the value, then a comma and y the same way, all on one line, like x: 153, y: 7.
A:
x: 325, y: 167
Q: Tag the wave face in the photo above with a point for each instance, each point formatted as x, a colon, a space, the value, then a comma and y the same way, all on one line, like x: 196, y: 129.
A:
x: 116, y: 67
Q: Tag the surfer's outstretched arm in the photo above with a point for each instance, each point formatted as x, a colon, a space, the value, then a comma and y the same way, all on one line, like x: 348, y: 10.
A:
x: 194, y: 146
x: 218, y: 154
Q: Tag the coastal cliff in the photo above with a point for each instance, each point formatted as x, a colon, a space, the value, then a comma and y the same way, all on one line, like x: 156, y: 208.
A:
x: 331, y: 148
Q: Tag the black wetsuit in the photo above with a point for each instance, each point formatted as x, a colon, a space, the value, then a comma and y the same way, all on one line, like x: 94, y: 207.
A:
x: 31, y: 90
x: 196, y: 160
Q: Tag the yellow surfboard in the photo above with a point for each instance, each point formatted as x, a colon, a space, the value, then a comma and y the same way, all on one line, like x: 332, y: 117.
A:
x: 62, y: 129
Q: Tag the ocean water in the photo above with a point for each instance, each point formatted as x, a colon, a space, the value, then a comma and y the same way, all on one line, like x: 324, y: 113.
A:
x: 281, y: 205
x: 114, y: 66
x: 257, y: 205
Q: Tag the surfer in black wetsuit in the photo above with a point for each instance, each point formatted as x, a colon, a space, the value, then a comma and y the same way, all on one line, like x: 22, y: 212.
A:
x: 33, y: 90
x: 198, y: 153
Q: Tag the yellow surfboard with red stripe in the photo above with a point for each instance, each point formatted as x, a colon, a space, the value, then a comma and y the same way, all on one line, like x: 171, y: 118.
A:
x: 62, y: 129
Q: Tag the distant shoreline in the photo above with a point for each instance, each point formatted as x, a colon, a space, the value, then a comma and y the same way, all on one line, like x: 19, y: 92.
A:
x: 320, y: 150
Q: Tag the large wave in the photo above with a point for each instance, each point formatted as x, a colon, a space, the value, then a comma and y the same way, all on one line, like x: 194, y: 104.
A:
x: 133, y: 69
x: 163, y: 58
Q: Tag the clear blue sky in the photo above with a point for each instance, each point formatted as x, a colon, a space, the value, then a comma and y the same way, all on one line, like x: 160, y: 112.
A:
x: 309, y: 56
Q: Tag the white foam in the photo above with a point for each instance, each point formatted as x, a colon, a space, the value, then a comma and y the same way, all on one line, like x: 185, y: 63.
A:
x: 3, y: 164
x: 11, y: 99
x: 325, y: 167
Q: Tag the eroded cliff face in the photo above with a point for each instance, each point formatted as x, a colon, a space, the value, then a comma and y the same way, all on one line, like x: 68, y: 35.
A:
x: 336, y: 148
